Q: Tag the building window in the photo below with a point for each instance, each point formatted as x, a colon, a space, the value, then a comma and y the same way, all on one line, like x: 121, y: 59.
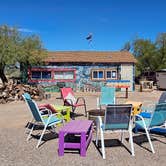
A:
x: 114, y: 74
x: 108, y: 74
x: 46, y: 74
x: 41, y: 75
x: 103, y: 74
x: 111, y: 74
x: 97, y: 74
x: 64, y: 75
x: 36, y: 74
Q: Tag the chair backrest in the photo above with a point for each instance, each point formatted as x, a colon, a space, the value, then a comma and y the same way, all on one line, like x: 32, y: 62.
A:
x: 26, y: 96
x: 117, y: 117
x: 162, y: 98
x: 34, y: 109
x: 68, y: 94
x: 107, y: 95
x: 159, y: 115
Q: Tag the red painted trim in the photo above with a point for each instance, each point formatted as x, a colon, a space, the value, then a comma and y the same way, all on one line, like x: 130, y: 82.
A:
x: 30, y: 80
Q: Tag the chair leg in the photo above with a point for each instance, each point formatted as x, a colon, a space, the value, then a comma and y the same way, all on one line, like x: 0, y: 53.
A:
x: 41, y: 136
x: 150, y: 142
x: 85, y: 110
x: 53, y: 128
x: 26, y: 129
x: 73, y: 116
x: 30, y: 132
x: 97, y: 134
x: 131, y: 141
x: 148, y: 136
x: 102, y: 143
x: 122, y: 136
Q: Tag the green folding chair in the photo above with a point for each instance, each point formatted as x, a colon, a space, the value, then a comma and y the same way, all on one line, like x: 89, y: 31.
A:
x: 107, y: 96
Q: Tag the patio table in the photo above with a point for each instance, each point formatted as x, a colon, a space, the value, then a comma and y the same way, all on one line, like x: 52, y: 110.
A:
x: 81, y: 128
x: 64, y: 110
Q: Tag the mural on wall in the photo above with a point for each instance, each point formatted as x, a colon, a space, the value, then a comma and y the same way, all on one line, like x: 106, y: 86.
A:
x: 83, y: 73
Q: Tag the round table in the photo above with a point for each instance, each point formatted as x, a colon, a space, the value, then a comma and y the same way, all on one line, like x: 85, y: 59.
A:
x: 94, y: 113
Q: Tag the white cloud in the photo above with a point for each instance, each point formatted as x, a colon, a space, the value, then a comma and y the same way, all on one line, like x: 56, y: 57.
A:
x: 26, y: 30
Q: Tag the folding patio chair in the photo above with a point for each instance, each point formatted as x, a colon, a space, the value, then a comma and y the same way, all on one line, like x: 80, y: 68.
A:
x: 67, y: 95
x: 107, y: 96
x: 151, y: 104
x: 26, y: 97
x: 117, y: 118
x: 157, y: 120
x: 47, y: 120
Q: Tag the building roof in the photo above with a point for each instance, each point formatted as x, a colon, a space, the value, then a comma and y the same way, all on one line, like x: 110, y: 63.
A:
x: 91, y: 56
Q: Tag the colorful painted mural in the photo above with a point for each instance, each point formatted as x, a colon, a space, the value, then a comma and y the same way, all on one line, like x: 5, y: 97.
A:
x: 79, y: 75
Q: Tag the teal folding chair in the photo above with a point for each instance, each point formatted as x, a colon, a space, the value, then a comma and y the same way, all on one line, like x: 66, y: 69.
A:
x: 117, y: 118
x: 157, y: 120
x: 47, y: 120
x: 26, y: 97
x: 107, y: 96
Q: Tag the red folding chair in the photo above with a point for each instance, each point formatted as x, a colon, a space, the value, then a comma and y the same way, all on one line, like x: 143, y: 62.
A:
x: 67, y: 95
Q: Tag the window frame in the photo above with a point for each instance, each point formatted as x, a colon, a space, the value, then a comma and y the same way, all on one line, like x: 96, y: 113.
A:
x: 104, y: 74
x: 111, y: 70
x: 41, y: 75
x: 63, y: 76
x: 97, y: 70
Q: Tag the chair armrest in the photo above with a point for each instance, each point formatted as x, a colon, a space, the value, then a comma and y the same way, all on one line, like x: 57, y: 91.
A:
x: 68, y: 101
x: 144, y: 124
x: 145, y: 114
x: 80, y: 98
x: 58, y: 113
x: 46, y: 111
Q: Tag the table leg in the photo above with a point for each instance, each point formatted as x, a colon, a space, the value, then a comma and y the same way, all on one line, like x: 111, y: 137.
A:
x: 83, y: 145
x: 61, y: 144
x: 68, y: 114
x: 126, y: 92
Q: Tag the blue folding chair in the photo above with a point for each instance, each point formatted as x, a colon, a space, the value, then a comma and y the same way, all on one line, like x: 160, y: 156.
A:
x: 156, y: 120
x: 26, y: 97
x: 47, y: 120
x: 117, y: 118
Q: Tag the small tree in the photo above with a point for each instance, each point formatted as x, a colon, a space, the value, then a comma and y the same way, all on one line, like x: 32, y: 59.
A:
x: 32, y: 53
x: 161, y: 48
x: 27, y: 50
x: 9, y: 46
x: 145, y: 51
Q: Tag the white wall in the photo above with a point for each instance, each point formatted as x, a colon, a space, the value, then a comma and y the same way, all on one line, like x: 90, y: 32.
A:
x: 127, y: 74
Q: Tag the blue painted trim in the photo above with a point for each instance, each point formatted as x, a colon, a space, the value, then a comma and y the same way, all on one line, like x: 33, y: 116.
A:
x: 119, y: 81
x: 133, y: 88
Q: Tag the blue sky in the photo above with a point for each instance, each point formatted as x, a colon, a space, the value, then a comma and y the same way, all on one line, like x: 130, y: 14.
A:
x: 64, y: 24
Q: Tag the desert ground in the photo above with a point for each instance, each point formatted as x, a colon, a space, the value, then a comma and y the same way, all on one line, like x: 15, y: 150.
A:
x: 16, y: 151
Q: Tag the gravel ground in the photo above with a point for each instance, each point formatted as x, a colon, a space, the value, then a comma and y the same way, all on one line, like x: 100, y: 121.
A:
x: 15, y: 151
